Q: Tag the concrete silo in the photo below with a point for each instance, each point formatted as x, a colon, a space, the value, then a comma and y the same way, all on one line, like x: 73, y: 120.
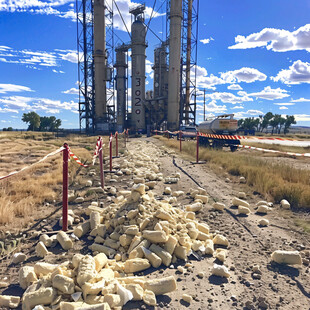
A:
x: 138, y: 47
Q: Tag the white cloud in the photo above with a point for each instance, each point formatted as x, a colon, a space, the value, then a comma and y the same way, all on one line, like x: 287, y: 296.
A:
x: 37, y: 104
x: 284, y: 103
x: 298, y: 72
x: 213, y: 107
x: 33, y: 59
x: 234, y: 87
x: 277, y: 40
x: 248, y: 113
x: 72, y: 57
x: 229, y: 97
x: 7, y: 110
x: 245, y: 74
x: 206, y: 41
x: 269, y: 93
x: 71, y: 91
x: 283, y: 108
x: 5, y: 88
x: 237, y: 107
x: 302, y: 117
x: 301, y: 100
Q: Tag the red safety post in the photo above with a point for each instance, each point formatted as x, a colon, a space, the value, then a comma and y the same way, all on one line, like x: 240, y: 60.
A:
x: 101, y: 162
x: 197, y: 149
x: 116, y: 144
x: 156, y: 132
x: 111, y: 152
x: 180, y: 138
x: 65, y: 182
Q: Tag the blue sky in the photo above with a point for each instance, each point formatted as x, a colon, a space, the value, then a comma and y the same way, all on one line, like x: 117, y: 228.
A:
x: 253, y: 57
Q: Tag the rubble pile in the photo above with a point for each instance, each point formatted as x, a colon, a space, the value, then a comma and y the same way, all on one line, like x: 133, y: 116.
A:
x: 134, y: 232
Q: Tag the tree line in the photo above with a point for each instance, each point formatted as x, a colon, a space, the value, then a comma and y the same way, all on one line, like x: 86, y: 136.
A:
x: 41, y: 123
x: 263, y: 122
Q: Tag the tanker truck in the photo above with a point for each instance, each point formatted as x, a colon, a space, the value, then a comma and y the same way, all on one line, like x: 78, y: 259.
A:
x: 214, y: 130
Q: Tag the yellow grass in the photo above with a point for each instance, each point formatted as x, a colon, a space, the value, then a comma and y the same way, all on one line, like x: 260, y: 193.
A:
x: 274, y: 181
x: 21, y: 196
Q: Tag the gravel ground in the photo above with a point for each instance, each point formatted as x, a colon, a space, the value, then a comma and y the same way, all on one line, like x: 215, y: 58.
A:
x: 277, y: 287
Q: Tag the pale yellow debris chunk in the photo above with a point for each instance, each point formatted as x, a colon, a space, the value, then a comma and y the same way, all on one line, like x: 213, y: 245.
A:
x: 286, y: 257
x: 149, y: 298
x: 161, y: 286
x: 187, y: 298
x: 11, y: 302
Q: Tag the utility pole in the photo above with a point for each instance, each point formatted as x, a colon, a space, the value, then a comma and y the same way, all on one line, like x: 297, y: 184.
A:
x: 204, y: 104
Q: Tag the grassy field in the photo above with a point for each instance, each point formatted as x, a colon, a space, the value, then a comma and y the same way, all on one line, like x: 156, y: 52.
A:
x: 22, y: 195
x: 274, y: 181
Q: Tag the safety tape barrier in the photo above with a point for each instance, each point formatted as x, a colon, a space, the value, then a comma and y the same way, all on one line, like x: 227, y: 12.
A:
x: 27, y: 167
x: 273, y: 151
x: 235, y: 137
x: 226, y: 137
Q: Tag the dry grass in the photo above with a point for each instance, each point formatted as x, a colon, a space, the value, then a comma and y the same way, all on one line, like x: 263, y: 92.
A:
x: 276, y: 181
x: 21, y: 196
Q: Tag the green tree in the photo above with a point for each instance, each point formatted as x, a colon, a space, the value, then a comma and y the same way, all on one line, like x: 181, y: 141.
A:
x: 33, y: 119
x: 290, y: 120
x: 266, y: 119
x: 274, y: 123
x: 282, y: 121
x: 49, y: 123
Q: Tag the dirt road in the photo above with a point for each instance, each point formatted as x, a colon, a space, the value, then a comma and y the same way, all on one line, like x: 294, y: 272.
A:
x: 276, y: 287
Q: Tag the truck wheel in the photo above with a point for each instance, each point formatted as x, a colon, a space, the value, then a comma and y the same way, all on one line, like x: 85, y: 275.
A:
x: 234, y: 148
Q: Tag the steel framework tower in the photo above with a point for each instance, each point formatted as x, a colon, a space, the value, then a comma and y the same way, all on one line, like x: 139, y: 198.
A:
x: 189, y: 61
x: 188, y: 58
x: 85, y: 48
x: 111, y: 102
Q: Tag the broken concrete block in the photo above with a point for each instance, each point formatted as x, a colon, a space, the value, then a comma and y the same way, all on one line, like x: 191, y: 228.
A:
x: 149, y: 298
x: 203, y: 198
x: 155, y: 236
x: 170, y: 244
x: 43, y: 296
x: 100, y: 261
x: 18, y: 258
x: 285, y: 204
x: 195, y: 207
x: 26, y: 276
x: 239, y: 202
x: 82, y: 229
x: 187, y: 298
x: 154, y: 259
x: 136, y: 265
x: 136, y: 291
x: 263, y: 222
x: 46, y: 240
x: 263, y: 209
x: 41, y: 250
x: 64, y: 240
x: 220, y: 240
x: 11, y: 302
x: 42, y: 268
x: 243, y: 210
x: 242, y: 195
x: 286, y: 257
x: 161, y: 286
x: 86, y: 270
x: 164, y: 255
x: 64, y: 284
x: 218, y: 206
x: 220, y: 271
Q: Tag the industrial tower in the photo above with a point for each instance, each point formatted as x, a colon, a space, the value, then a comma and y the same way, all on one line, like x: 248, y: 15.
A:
x: 173, y: 99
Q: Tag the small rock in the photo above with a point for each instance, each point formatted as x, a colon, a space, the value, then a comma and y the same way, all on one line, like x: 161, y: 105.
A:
x: 79, y: 200
x: 19, y: 258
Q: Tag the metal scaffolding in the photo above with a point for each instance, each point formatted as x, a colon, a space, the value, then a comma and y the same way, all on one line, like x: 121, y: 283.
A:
x: 111, y: 102
x: 85, y: 48
x: 189, y: 62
